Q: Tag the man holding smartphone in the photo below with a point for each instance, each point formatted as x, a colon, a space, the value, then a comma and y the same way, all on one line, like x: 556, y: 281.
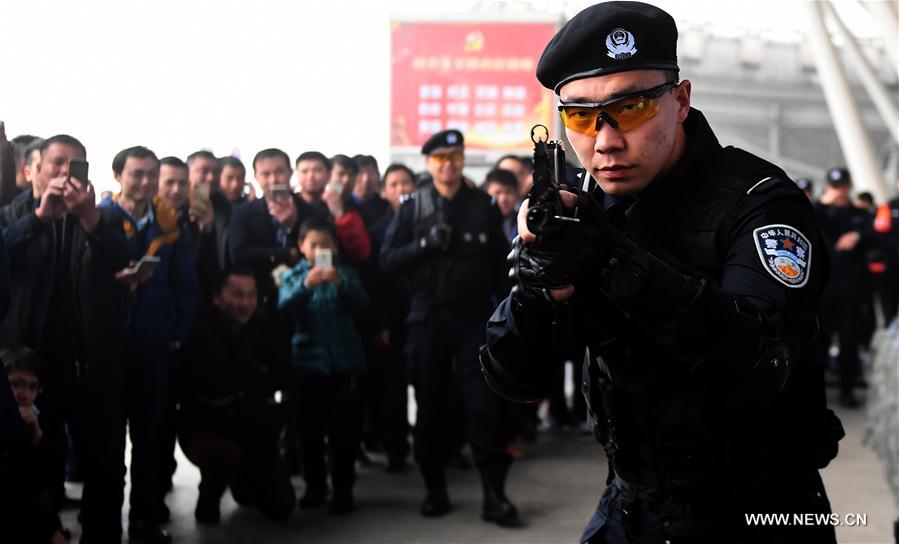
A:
x: 263, y: 233
x: 64, y: 254
x: 210, y: 209
x: 161, y: 306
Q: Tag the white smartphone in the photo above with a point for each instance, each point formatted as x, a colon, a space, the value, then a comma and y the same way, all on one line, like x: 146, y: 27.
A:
x: 324, y: 258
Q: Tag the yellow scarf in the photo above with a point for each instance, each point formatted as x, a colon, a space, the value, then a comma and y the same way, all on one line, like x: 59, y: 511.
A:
x: 167, y: 218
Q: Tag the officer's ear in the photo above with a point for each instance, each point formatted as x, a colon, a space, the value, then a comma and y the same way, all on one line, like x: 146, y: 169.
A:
x: 682, y: 99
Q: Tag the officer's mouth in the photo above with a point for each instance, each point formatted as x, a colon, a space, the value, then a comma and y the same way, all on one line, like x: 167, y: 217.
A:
x: 615, y: 171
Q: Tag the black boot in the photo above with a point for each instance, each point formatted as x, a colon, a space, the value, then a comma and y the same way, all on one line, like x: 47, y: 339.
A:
x: 497, y: 507
x: 436, y: 502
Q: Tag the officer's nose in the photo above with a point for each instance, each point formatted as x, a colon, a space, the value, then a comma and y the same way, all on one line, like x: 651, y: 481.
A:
x: 608, y: 139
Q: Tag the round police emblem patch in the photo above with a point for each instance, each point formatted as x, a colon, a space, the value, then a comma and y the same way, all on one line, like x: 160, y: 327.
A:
x: 785, y: 253
x: 620, y: 44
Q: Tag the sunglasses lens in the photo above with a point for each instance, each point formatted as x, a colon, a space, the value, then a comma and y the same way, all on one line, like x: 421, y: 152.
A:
x: 582, y: 120
x: 633, y: 112
x: 628, y: 114
x: 444, y: 157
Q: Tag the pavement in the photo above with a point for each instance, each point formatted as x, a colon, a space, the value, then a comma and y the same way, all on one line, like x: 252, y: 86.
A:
x: 556, y: 485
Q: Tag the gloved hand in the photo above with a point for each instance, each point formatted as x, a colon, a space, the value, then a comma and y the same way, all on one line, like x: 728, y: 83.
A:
x: 553, y: 264
x: 438, y: 237
x: 535, y: 269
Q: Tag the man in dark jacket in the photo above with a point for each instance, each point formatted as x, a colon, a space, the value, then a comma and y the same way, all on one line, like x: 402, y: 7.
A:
x: 848, y: 236
x: 162, y: 284
x: 199, y: 219
x: 390, y: 306
x: 66, y: 304
x: 204, y: 227
x: 232, y: 364
x: 691, y: 278
x: 263, y: 233
x: 334, y: 200
x: 211, y: 209
x: 366, y: 195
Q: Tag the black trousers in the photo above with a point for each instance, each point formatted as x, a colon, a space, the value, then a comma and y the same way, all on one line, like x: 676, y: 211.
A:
x: 92, y: 407
x: 841, y: 314
x: 886, y: 285
x: 327, y: 407
x: 444, y: 341
x: 168, y: 427
x: 387, y: 394
x: 243, y: 464
x: 146, y: 382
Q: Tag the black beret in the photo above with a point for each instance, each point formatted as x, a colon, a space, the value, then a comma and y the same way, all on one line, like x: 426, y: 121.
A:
x: 607, y: 38
x: 447, y: 138
x: 838, y: 177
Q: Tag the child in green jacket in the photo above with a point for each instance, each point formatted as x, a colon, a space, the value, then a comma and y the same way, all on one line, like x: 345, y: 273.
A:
x: 323, y: 298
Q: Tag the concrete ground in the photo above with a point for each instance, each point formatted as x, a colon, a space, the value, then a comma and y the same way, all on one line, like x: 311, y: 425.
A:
x: 556, y: 486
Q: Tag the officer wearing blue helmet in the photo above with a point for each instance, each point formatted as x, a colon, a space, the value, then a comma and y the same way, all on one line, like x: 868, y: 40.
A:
x: 691, y: 280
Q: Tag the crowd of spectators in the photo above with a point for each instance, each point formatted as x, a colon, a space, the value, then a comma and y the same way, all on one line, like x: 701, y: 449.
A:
x: 250, y: 323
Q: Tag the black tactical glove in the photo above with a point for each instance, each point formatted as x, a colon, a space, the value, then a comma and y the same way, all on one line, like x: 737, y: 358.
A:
x: 438, y: 238
x: 578, y: 250
x: 537, y: 268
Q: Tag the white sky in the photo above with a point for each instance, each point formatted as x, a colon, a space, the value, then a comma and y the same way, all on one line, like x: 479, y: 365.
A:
x: 227, y: 75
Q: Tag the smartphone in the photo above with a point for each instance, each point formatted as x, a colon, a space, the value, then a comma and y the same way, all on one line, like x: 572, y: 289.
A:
x: 334, y: 186
x: 280, y: 192
x: 324, y: 258
x: 201, y: 192
x: 78, y: 170
x: 146, y: 264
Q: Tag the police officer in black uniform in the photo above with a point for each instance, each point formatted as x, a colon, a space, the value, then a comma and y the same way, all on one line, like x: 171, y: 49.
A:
x: 448, y: 241
x: 848, y: 235
x: 691, y: 279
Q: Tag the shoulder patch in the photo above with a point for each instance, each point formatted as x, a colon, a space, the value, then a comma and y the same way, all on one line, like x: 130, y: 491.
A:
x: 785, y: 252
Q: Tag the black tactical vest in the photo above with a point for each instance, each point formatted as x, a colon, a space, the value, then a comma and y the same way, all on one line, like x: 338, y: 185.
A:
x: 661, y: 429
x: 460, y: 277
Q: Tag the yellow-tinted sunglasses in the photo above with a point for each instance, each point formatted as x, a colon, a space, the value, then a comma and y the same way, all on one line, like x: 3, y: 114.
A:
x: 452, y: 156
x: 622, y: 113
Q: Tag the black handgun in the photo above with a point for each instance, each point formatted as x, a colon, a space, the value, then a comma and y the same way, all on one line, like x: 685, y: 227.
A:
x: 546, y: 213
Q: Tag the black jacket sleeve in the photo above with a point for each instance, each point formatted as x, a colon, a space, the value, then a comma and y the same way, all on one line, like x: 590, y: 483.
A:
x: 400, y: 251
x: 246, y: 249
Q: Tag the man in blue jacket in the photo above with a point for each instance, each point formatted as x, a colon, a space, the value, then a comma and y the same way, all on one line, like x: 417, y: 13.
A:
x: 160, y: 310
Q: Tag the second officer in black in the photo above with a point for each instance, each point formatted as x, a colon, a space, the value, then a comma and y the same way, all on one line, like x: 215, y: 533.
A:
x: 448, y: 241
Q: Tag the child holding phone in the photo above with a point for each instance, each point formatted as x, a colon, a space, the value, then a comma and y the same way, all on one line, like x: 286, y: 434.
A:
x: 327, y: 358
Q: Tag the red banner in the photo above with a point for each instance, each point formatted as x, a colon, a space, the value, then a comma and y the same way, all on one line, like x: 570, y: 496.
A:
x: 475, y: 77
